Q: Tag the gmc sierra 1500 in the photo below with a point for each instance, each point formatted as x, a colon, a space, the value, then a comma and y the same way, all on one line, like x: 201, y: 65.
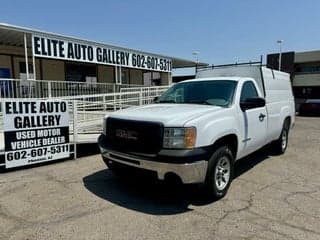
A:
x: 200, y: 127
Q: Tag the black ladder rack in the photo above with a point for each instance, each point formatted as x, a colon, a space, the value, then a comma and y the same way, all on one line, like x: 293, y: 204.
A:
x: 259, y: 63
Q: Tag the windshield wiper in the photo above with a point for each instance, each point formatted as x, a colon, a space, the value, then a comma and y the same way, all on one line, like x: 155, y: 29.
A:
x: 166, y: 101
x: 199, y: 102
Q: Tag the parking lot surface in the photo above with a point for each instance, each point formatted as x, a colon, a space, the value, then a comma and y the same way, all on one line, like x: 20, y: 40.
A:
x: 271, y: 197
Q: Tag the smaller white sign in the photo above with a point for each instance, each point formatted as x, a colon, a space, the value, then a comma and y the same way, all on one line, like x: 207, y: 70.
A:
x: 35, y: 131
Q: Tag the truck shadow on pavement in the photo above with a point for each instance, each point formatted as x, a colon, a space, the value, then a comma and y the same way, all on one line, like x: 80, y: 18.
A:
x: 144, y: 193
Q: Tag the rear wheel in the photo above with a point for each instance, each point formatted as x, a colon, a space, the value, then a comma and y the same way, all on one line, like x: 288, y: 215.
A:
x: 219, y: 173
x: 280, y: 145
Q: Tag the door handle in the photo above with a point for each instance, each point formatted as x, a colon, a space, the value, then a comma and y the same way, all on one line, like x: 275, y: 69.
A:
x: 261, y: 117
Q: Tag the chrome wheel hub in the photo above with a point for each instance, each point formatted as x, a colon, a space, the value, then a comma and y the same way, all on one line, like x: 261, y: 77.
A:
x: 222, y: 173
x: 284, y: 140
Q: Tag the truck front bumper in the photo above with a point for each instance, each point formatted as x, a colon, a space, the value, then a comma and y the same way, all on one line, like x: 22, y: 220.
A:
x: 186, y: 164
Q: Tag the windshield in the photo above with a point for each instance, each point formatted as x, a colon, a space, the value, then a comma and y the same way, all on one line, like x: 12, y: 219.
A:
x: 211, y: 92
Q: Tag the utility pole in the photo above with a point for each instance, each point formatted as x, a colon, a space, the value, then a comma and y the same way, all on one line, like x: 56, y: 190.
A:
x: 280, y: 52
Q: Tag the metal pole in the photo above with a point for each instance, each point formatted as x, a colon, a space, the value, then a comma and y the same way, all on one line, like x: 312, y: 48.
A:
x: 196, y: 53
x: 114, y: 97
x: 280, y: 55
x: 116, y: 71
x: 104, y: 104
x: 33, y: 61
x: 75, y: 129
x: 49, y: 89
x: 280, y: 52
x: 140, y: 97
x: 26, y: 54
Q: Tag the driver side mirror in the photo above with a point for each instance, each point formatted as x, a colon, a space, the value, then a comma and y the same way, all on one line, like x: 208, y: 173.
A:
x: 250, y: 103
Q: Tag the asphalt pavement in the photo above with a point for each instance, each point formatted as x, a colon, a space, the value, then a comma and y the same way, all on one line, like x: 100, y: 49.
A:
x: 271, y: 197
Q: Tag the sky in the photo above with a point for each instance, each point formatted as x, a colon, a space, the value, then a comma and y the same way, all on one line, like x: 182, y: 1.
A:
x: 222, y: 31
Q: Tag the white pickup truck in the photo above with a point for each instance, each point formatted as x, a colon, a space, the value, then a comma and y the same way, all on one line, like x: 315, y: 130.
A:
x: 200, y: 127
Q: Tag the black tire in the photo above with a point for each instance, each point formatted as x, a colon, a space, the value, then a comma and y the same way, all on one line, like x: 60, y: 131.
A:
x: 280, y: 145
x: 212, y: 188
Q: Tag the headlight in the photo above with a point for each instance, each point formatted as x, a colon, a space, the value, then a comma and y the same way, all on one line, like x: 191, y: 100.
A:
x: 104, y: 126
x: 179, y: 137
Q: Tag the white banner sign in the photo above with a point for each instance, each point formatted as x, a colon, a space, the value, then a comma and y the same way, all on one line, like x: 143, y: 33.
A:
x: 81, y: 52
x: 35, y: 131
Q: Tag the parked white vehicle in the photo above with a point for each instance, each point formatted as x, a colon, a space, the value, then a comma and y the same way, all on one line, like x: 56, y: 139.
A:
x: 200, y: 127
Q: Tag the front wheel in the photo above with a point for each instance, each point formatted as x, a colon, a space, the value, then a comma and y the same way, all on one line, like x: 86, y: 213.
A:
x: 220, y: 172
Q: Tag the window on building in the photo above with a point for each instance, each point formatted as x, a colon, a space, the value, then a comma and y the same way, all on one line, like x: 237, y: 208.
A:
x: 23, y: 72
x: 308, y: 68
x: 312, y: 92
x: 147, y: 78
x: 152, y: 78
x: 22, y: 67
x: 80, y: 72
x: 125, y: 76
x: 156, y: 79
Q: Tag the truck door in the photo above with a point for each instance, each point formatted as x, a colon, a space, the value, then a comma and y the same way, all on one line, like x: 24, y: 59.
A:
x: 253, y: 121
